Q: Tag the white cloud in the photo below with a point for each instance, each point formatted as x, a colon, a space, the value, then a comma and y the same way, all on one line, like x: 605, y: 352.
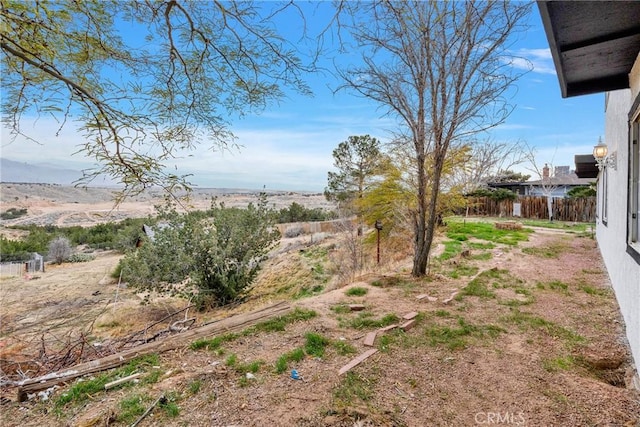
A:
x: 513, y: 126
x: 291, y: 154
x: 46, y: 145
x: 542, y: 54
x: 537, y: 60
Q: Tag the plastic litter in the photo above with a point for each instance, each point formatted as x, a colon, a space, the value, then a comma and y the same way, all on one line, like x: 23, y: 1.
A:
x: 295, y: 375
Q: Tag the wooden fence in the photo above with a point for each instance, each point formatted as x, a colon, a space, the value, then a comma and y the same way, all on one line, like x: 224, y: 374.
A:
x: 535, y: 207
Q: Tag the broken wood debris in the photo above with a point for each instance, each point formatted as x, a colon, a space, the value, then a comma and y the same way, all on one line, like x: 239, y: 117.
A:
x: 115, y: 383
x: 388, y: 328
x: 410, y: 316
x: 355, y: 362
x: 356, y: 307
x: 408, y: 325
x: 370, y: 339
x: 162, y: 399
x: 171, y: 342
x: 141, y: 337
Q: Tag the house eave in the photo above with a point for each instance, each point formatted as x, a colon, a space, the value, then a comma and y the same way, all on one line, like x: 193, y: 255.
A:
x: 593, y: 44
x: 586, y: 166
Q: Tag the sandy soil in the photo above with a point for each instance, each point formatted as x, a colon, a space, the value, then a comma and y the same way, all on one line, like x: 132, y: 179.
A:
x: 545, y: 347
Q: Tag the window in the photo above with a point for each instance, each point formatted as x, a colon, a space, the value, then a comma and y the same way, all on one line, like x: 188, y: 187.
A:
x: 633, y: 232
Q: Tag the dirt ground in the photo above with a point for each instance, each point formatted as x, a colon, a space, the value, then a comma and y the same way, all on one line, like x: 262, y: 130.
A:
x: 541, y: 344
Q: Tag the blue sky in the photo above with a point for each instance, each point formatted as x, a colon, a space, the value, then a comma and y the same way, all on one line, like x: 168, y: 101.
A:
x: 288, y: 146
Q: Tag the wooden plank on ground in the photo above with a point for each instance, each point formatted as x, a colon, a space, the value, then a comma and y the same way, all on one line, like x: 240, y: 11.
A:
x: 370, y: 339
x: 356, y: 307
x: 355, y: 362
x: 408, y: 325
x: 410, y: 316
x: 388, y: 328
x: 115, y: 383
x: 230, y: 324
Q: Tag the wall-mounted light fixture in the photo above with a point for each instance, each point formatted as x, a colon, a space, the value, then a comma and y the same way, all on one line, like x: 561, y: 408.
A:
x: 603, y: 159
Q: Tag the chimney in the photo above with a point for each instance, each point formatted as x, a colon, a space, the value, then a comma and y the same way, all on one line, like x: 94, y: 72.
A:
x: 545, y: 172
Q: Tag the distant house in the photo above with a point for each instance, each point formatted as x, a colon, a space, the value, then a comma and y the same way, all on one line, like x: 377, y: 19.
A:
x: 595, y: 48
x: 516, y: 187
x: 559, y: 183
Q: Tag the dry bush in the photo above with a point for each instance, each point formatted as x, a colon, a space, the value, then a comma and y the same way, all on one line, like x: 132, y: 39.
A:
x: 348, y: 256
x: 293, y: 232
x: 59, y: 249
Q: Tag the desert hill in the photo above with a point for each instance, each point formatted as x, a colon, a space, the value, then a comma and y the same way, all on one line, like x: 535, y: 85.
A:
x: 65, y: 205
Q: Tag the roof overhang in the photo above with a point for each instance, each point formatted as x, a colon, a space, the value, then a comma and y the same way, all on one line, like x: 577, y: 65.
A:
x: 593, y: 43
x: 586, y: 166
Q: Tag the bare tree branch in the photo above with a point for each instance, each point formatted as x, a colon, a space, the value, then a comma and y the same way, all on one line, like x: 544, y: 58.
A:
x: 439, y: 68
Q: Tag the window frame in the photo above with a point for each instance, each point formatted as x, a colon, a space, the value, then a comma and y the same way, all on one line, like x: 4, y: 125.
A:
x: 604, y: 191
x: 633, y: 188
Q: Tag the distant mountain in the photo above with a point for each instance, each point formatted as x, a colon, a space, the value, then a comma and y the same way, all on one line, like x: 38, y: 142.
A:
x: 13, y: 171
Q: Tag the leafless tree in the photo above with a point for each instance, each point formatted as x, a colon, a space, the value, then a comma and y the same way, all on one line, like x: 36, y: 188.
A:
x: 546, y: 177
x: 443, y: 70
x: 59, y: 249
x: 485, y: 160
x: 349, y: 258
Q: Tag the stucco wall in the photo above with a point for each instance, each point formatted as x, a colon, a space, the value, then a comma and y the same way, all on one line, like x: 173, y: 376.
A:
x: 634, y: 78
x: 623, y: 270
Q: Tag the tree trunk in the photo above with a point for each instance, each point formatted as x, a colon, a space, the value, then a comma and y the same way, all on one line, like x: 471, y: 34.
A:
x: 426, y: 222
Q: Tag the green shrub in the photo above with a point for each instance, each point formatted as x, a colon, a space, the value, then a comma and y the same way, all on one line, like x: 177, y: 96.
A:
x: 13, y: 213
x: 582, y: 191
x: 220, y: 250
x: 298, y: 213
x: 495, y: 194
x: 79, y: 257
